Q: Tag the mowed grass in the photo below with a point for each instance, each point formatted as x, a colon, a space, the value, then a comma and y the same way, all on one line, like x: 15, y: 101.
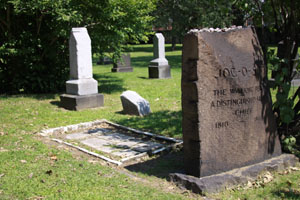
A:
x: 30, y: 169
x: 27, y: 168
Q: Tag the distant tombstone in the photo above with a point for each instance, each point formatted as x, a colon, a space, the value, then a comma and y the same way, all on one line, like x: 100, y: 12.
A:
x: 134, y: 104
x: 81, y: 89
x: 104, y: 61
x: 123, y: 65
x: 159, y: 66
x: 226, y: 106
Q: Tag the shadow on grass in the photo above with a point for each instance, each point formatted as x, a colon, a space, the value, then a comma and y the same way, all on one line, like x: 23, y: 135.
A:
x: 161, y: 166
x: 165, y: 122
x: 34, y: 96
x: 288, y: 193
x: 109, y: 84
x: 141, y: 61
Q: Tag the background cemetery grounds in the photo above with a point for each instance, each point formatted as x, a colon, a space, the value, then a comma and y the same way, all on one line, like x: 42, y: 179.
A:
x: 30, y: 169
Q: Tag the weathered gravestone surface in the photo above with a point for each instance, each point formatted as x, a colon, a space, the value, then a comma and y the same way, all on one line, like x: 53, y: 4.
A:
x: 134, y: 104
x: 159, y: 67
x: 81, y: 89
x: 227, y: 111
x: 123, y: 65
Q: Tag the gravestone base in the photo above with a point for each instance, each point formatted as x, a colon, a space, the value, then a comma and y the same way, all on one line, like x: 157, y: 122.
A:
x: 79, y: 102
x: 230, y: 179
x: 122, y: 69
x: 159, y: 72
x: 82, y: 86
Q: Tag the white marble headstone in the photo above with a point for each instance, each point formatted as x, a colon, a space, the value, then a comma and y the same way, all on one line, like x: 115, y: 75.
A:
x: 159, y: 51
x: 81, y: 72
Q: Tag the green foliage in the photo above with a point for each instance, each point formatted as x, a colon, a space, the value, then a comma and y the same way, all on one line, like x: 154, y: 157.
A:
x: 34, y: 37
x: 33, y: 45
x: 184, y: 15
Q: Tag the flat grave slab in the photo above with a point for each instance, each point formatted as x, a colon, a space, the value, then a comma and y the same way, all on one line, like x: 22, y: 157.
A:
x: 112, y: 142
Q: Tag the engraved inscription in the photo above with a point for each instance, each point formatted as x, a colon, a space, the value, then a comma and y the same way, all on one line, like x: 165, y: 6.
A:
x: 220, y: 125
x: 240, y: 100
x: 233, y: 72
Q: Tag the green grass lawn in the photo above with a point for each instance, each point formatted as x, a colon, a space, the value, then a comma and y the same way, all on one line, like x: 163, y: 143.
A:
x: 28, y: 171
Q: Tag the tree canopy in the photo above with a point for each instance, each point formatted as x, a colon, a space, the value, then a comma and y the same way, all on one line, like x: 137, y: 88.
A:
x: 34, y: 37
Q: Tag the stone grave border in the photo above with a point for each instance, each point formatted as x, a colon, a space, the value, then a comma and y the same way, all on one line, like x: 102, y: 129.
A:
x: 85, y: 125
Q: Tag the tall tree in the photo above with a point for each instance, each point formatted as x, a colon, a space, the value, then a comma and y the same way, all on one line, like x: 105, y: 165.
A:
x: 183, y: 15
x: 34, y: 37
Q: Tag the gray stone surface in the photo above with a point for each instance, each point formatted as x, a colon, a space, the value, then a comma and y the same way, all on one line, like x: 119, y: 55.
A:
x: 123, y: 65
x: 226, y: 106
x: 99, y: 144
x: 159, y: 72
x: 146, y: 146
x: 82, y: 86
x: 76, y: 102
x: 219, y: 182
x: 76, y: 136
x: 134, y: 104
x: 159, y: 66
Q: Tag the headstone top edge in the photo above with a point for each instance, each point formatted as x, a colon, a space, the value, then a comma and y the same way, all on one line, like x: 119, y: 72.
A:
x: 79, y: 29
x: 217, y: 30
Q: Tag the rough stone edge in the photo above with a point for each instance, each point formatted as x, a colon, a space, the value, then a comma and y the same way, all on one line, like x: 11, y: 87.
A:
x: 230, y: 179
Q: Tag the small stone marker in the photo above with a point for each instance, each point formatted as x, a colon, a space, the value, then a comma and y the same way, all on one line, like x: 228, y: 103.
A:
x: 82, y: 89
x: 159, y: 66
x: 227, y: 110
x: 134, y: 104
x: 123, y: 65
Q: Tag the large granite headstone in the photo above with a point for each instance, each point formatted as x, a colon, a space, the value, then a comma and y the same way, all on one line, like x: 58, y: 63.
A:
x: 123, y: 65
x: 226, y: 106
x: 81, y: 89
x: 134, y: 104
x: 159, y: 67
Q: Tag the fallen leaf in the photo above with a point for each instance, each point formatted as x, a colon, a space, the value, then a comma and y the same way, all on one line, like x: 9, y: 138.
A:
x: 92, y: 161
x: 2, y: 133
x: 1, y: 175
x: 53, y: 157
x: 294, y: 168
x: 30, y: 175
x: 23, y: 161
x: 268, y: 177
x: 42, y: 181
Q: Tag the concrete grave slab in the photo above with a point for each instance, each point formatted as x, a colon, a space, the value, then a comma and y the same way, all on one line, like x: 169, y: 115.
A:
x: 76, y: 136
x: 119, y: 143
x: 99, y: 144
